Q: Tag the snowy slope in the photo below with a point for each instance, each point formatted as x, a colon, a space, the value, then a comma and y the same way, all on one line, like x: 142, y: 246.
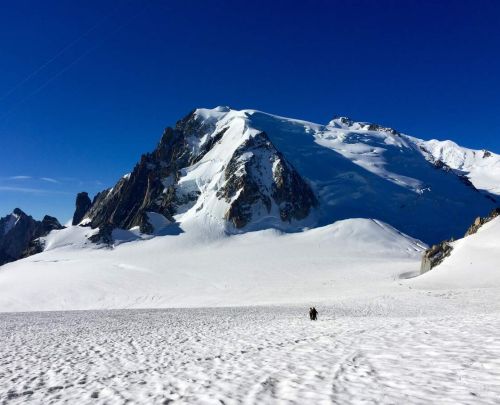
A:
x: 357, y: 255
x: 365, y: 170
x: 480, y: 166
x: 474, y: 262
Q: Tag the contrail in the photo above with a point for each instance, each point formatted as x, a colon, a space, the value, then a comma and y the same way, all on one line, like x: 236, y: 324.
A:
x: 53, y: 58
x: 71, y: 64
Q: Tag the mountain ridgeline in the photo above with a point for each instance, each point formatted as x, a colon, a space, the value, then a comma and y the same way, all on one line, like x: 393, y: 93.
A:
x: 232, y: 171
x: 20, y: 233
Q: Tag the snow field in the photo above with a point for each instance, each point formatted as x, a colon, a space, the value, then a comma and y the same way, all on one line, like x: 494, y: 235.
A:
x: 356, y: 256
x: 254, y: 355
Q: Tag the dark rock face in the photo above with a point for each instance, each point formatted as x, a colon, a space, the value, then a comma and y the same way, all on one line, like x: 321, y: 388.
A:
x: 126, y: 204
x: 248, y: 180
x: 376, y: 127
x: 435, y: 255
x: 16, y: 232
x: 152, y: 186
x: 49, y: 224
x: 480, y: 221
x: 19, y: 235
x: 439, y: 164
x: 104, y: 236
x: 83, y: 204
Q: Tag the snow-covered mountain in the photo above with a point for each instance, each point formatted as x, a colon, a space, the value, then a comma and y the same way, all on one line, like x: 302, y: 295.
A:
x: 481, y: 167
x: 229, y: 171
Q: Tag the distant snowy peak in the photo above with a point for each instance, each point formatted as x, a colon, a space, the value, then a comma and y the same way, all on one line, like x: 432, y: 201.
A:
x: 228, y: 171
x: 482, y: 167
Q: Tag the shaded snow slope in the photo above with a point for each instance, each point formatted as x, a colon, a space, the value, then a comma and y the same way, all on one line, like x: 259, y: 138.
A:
x: 353, y: 256
x: 474, y: 262
x: 365, y: 170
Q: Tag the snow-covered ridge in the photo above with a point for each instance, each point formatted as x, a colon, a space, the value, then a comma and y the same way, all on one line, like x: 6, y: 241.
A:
x: 366, y: 144
x: 482, y: 167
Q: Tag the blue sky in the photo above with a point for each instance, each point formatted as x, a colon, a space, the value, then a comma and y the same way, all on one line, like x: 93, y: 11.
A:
x: 87, y: 86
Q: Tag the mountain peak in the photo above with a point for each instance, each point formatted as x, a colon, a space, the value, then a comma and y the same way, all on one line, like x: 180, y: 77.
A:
x: 222, y: 108
x: 18, y: 212
x: 18, y: 232
x: 340, y: 122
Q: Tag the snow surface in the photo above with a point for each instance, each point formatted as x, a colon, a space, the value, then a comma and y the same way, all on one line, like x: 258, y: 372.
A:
x: 357, y: 256
x: 381, y: 351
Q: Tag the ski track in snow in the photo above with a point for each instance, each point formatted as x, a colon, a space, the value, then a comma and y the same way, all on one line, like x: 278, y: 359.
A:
x: 251, y: 355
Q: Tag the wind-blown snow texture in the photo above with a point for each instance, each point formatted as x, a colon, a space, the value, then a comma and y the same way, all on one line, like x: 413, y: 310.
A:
x: 414, y: 348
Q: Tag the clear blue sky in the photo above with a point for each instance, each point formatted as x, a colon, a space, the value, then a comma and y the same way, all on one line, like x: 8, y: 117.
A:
x: 87, y: 86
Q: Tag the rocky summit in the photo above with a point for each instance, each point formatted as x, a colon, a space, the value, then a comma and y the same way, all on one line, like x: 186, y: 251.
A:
x: 254, y: 181
x: 83, y: 203
x: 19, y: 235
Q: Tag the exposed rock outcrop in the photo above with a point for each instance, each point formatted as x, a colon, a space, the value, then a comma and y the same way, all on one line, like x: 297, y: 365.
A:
x: 104, y: 236
x: 435, y: 255
x: 19, y: 235
x: 49, y: 224
x: 258, y: 176
x: 83, y: 204
x: 480, y: 221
